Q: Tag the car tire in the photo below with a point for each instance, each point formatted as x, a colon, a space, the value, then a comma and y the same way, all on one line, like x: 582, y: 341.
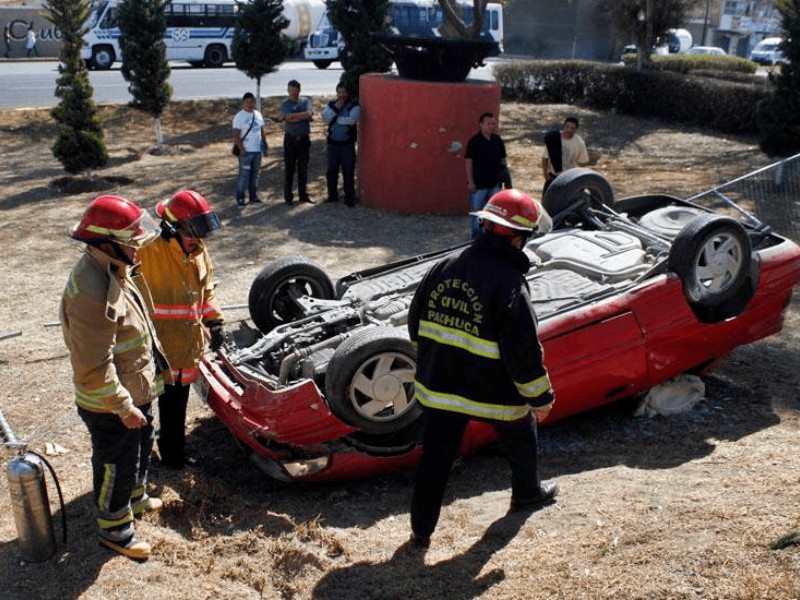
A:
x: 572, y: 193
x: 272, y: 294
x: 713, y: 257
x: 370, y: 381
x: 215, y: 56
x: 103, y: 57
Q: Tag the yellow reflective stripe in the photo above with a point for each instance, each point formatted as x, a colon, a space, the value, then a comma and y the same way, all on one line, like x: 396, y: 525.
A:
x: 459, y: 339
x: 110, y: 523
x: 131, y: 344
x: 535, y: 388
x: 109, y: 475
x: 72, y: 287
x: 523, y: 221
x: 94, y: 400
x: 120, y: 233
x: 456, y: 403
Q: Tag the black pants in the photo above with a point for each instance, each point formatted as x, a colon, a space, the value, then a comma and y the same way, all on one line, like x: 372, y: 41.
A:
x: 172, y: 434
x: 440, y: 443
x: 120, y: 459
x: 342, y: 156
x: 295, y: 158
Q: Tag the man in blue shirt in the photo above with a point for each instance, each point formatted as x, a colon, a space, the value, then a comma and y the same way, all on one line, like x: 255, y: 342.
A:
x: 296, y: 113
x: 342, y: 117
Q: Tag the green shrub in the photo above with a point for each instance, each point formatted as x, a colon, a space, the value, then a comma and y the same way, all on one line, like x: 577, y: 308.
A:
x: 723, y: 105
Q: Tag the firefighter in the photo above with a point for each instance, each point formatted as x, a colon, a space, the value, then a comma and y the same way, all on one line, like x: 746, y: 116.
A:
x: 177, y: 268
x: 479, y: 357
x: 114, y: 354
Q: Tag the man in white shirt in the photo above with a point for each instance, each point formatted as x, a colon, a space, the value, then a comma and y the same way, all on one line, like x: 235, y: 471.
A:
x: 250, y: 139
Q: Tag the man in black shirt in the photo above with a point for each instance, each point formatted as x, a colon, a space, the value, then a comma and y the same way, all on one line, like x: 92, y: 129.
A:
x: 485, y: 162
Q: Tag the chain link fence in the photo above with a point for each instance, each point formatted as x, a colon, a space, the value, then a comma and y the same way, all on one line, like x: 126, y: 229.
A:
x: 771, y: 193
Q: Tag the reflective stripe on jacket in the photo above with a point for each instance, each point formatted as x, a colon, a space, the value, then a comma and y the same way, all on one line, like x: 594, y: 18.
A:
x: 183, y: 300
x: 109, y: 335
x: 475, y: 330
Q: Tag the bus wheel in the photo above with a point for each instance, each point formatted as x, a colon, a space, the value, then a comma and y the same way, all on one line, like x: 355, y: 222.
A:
x: 103, y: 57
x: 215, y: 56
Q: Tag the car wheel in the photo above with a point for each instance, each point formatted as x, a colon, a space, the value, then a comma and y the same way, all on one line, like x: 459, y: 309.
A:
x: 370, y: 381
x: 215, y: 56
x: 712, y: 256
x: 275, y: 290
x: 103, y: 57
x: 572, y: 193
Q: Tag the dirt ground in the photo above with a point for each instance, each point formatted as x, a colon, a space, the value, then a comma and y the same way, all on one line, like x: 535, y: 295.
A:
x: 678, y: 507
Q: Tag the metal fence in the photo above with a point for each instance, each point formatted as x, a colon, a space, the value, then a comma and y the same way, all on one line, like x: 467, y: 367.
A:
x: 771, y: 193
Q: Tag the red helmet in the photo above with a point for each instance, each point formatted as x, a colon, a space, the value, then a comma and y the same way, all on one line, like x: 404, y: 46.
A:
x: 188, y: 210
x: 511, y: 211
x: 114, y: 219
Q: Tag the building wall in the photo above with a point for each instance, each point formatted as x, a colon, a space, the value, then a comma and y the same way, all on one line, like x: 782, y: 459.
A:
x: 19, y: 19
x: 564, y: 29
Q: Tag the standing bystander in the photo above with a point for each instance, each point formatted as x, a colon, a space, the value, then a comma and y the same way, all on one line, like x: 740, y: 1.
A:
x: 479, y: 357
x: 485, y: 160
x: 250, y: 139
x: 564, y: 150
x: 177, y: 268
x: 114, y: 352
x: 342, y: 117
x: 296, y: 113
x: 7, y: 40
x: 30, y: 42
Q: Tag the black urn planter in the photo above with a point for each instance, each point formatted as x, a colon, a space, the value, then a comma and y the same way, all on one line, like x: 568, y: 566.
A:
x: 437, y: 59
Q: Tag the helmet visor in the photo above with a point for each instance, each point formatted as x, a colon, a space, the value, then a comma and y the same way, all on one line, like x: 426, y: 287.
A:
x: 136, y: 235
x: 201, y: 225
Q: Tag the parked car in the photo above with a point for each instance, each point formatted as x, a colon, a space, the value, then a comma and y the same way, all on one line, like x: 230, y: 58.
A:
x: 768, y: 52
x: 629, y: 293
x: 713, y: 50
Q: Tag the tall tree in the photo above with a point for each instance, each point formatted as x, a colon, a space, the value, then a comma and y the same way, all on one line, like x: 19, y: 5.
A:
x: 356, y: 21
x: 79, y: 144
x: 258, y: 46
x: 645, y: 20
x: 143, y: 24
x: 779, y: 115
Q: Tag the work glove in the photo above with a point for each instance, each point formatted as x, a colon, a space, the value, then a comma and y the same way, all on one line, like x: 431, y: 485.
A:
x: 216, y: 331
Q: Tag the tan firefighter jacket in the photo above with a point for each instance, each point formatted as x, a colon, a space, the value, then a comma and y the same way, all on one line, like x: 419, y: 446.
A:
x: 111, y: 340
x: 183, y: 301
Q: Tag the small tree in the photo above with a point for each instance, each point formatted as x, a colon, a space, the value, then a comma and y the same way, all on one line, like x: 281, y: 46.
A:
x: 79, y: 144
x: 778, y: 116
x: 645, y: 20
x: 143, y: 24
x: 258, y: 46
x: 356, y: 21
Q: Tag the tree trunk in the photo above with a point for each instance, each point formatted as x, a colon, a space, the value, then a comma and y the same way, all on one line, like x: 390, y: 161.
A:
x: 159, y: 133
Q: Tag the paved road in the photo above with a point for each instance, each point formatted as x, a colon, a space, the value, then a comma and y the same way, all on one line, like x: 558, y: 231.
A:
x: 32, y: 83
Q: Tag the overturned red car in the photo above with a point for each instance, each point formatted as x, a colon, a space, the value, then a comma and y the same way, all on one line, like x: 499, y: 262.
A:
x: 629, y: 294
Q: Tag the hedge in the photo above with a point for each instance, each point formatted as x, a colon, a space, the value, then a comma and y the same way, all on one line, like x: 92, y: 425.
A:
x: 725, y: 106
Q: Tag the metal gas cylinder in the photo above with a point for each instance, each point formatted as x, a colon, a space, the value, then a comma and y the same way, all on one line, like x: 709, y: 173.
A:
x: 31, y: 507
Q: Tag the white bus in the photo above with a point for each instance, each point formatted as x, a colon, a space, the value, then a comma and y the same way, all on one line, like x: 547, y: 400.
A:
x: 408, y: 17
x: 199, y: 32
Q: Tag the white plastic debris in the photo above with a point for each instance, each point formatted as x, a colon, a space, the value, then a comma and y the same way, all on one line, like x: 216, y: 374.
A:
x: 51, y: 449
x: 672, y: 397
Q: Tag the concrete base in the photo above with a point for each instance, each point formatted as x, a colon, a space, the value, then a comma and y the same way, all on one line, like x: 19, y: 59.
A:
x: 413, y: 135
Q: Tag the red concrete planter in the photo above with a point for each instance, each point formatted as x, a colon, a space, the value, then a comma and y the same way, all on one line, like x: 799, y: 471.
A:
x: 412, y: 139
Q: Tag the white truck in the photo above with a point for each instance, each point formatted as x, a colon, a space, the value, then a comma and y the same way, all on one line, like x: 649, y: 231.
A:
x: 198, y: 31
x: 408, y: 17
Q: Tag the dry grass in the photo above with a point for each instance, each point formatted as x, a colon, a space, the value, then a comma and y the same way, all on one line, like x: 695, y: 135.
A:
x: 684, y: 507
